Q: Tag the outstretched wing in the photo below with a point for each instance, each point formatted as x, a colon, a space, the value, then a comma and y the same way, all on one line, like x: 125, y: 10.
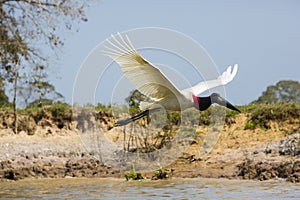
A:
x: 148, y: 79
x: 223, y: 79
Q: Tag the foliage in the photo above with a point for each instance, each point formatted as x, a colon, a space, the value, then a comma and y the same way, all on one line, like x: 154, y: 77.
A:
x: 133, y: 100
x: 250, y: 125
x: 133, y: 175
x: 59, y: 109
x: 24, y: 26
x: 283, y: 91
x: 173, y: 117
x: 38, y: 87
x: 3, y: 97
x: 40, y: 103
x: 24, y: 22
x: 103, y: 108
x: 262, y: 114
x: 162, y: 173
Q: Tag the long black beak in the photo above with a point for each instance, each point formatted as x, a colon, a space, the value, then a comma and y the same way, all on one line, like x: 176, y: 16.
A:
x: 223, y: 102
x: 230, y: 106
x: 216, y: 98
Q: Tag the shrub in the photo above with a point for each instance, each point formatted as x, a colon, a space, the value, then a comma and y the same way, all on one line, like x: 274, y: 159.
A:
x: 133, y: 175
x: 262, y: 114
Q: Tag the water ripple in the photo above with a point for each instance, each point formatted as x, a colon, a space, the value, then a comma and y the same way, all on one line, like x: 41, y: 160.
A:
x: 95, y: 188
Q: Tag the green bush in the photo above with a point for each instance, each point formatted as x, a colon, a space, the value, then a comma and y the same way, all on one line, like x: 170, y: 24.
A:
x: 250, y: 125
x: 262, y: 114
x: 59, y: 109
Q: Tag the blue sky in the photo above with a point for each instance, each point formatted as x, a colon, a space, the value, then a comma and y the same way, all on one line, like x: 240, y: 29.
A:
x: 263, y: 37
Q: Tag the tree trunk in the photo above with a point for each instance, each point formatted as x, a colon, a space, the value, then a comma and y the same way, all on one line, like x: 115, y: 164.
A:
x: 15, y: 102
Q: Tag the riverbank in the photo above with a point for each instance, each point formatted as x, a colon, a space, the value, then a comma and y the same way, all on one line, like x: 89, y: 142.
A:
x: 243, y: 151
x: 61, y: 156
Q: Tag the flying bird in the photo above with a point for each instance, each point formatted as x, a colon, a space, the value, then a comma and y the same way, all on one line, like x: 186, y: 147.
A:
x: 151, y: 82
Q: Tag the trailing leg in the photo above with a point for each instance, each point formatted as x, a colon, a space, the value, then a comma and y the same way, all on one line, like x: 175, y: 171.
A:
x: 136, y: 117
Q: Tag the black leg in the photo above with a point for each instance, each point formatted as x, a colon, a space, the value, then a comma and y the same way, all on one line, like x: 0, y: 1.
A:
x: 136, y: 117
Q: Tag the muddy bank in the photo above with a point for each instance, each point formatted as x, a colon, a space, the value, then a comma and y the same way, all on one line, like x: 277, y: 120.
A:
x: 64, y: 156
x: 39, y: 156
x: 55, y: 168
x: 48, y: 145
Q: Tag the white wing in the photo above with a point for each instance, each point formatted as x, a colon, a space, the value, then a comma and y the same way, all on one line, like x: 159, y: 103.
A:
x: 148, y: 79
x: 223, y: 79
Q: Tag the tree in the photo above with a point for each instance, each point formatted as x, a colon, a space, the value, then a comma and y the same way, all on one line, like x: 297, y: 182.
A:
x: 3, y: 97
x: 37, y: 87
x: 134, y: 99
x: 24, y: 26
x: 283, y: 91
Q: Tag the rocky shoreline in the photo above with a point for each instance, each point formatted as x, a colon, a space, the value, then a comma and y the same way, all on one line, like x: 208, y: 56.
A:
x: 277, y: 160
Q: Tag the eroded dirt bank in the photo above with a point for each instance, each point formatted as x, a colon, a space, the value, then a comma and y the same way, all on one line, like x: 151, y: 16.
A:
x: 56, y: 151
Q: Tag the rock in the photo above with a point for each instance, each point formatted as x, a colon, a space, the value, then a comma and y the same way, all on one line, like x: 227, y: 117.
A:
x: 265, y: 171
x: 296, y: 177
x: 296, y: 167
x: 29, y: 157
x: 255, y: 152
x: 266, y: 175
x: 290, y: 145
x: 285, y: 170
x: 10, y: 174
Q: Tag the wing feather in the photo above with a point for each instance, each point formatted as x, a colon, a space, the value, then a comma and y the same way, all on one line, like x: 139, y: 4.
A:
x: 226, y: 77
x: 148, y: 79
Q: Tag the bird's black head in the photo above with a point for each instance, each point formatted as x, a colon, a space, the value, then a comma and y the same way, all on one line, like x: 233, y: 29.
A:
x: 203, y: 103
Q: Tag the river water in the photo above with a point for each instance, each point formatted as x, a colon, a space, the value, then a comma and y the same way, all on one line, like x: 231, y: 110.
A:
x: 96, y: 188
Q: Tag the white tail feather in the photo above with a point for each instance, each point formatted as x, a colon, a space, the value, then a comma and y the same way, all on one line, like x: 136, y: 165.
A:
x: 145, y: 105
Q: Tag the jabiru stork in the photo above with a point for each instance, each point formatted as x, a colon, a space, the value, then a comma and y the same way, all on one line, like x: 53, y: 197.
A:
x: 151, y: 82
